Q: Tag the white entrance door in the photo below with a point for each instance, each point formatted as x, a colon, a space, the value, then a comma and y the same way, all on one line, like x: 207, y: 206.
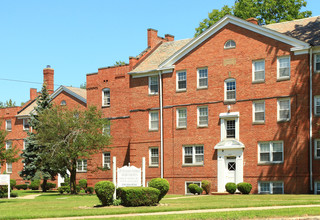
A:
x: 230, y: 169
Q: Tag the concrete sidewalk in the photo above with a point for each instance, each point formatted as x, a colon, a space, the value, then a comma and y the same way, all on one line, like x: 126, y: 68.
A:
x: 193, y: 212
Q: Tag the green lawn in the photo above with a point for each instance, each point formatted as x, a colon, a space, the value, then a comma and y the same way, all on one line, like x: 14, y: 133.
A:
x: 55, y: 205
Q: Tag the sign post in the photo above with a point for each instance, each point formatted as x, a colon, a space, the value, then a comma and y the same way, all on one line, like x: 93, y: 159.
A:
x: 5, y: 180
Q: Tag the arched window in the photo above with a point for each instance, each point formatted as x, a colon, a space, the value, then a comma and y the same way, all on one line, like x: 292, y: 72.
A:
x: 63, y: 102
x: 230, y: 44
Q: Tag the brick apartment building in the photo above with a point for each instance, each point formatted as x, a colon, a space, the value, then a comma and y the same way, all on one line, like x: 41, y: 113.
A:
x: 15, y: 121
x: 240, y: 102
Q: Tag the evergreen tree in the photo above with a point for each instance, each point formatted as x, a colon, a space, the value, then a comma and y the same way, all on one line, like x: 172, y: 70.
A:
x: 31, y: 155
x: 7, y: 155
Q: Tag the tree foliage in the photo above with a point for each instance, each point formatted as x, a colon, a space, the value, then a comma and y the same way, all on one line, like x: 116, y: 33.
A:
x: 8, y: 103
x: 119, y: 63
x: 70, y: 135
x: 7, y: 155
x: 266, y: 11
x: 34, y: 164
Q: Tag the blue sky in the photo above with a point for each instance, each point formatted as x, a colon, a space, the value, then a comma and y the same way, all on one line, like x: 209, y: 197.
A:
x: 78, y: 37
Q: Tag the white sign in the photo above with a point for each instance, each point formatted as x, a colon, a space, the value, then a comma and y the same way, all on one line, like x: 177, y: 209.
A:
x: 129, y: 176
x: 5, y: 180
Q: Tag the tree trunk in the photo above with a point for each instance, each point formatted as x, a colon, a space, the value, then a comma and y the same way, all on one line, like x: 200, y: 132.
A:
x: 44, y: 185
x: 73, y: 181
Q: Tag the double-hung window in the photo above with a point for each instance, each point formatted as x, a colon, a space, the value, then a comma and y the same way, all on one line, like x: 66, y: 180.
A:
x: 81, y: 165
x: 8, y: 125
x: 317, y: 105
x: 8, y: 145
x: 26, y: 125
x: 9, y: 167
x: 270, y: 187
x: 284, y: 109
x: 230, y: 90
x: 106, y: 158
x: 317, y: 63
x: 317, y: 188
x: 153, y: 120
x: 258, y: 73
x: 230, y: 128
x: 258, y: 111
x: 317, y: 148
x: 106, y: 97
x: 271, y: 152
x: 106, y: 129
x: 153, y: 156
x: 202, y: 78
x: 203, y: 116
x: 193, y: 155
x: 283, y: 67
x: 153, y: 85
x: 181, y: 118
x: 181, y: 81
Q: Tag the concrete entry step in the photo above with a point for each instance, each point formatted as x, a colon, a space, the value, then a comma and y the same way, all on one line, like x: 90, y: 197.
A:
x: 219, y: 193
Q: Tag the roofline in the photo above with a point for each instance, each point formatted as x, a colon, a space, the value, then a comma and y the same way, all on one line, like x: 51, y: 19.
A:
x: 89, y: 74
x: 64, y: 88
x: 26, y: 106
x: 291, y: 21
x: 236, y: 21
x: 151, y: 72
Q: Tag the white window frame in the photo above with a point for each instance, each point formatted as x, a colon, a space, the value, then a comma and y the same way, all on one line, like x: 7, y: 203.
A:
x: 190, y: 182
x: 194, y: 163
x: 103, y: 97
x: 223, y: 124
x: 106, y: 165
x: 63, y: 103
x: 315, y: 63
x: 317, y: 97
x: 198, y: 118
x: 7, y: 128
x: 24, y: 144
x: 316, y: 147
x: 8, y: 145
x: 26, y: 122
x: 278, y: 68
x: 254, y: 70
x: 178, y: 109
x: 8, y: 167
x: 254, y: 111
x: 225, y: 89
x: 317, y: 187
x: 84, y: 168
x: 226, y: 46
x: 198, y: 78
x: 106, y: 129
x: 150, y: 84
x: 177, y: 80
x: 278, y: 111
x: 270, y: 152
x: 150, y: 121
x: 271, y: 183
x: 150, y: 157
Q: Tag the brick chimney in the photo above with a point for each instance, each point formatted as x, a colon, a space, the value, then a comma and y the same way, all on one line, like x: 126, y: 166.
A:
x: 169, y: 37
x: 152, y: 37
x: 33, y: 93
x: 252, y: 20
x: 48, y: 74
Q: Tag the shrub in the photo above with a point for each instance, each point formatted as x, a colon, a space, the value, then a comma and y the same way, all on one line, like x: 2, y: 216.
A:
x: 83, y: 183
x: 117, y: 202
x: 22, y: 186
x: 64, y: 184
x: 231, y: 188
x: 162, y: 185
x: 89, y: 190
x: 206, y: 186
x: 13, y: 183
x: 78, y: 189
x: 34, y: 185
x: 194, y: 188
x: 138, y: 196
x: 63, y: 189
x: 104, y: 191
x: 49, y: 186
x: 3, y: 191
x: 244, y: 187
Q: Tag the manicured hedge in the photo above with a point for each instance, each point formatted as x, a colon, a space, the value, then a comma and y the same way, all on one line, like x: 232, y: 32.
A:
x: 162, y: 185
x: 34, y: 185
x: 195, y: 189
x: 104, y: 191
x: 22, y: 186
x: 83, y: 183
x: 231, y: 188
x: 49, y: 186
x: 89, y: 190
x: 63, y: 189
x: 206, y: 186
x: 138, y: 196
x: 244, y: 187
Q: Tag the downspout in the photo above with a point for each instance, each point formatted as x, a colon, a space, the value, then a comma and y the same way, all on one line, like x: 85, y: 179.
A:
x: 161, y: 123
x: 310, y: 112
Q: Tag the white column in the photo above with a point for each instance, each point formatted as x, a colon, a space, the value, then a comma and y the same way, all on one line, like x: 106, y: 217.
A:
x: 143, y: 171
x: 114, y: 175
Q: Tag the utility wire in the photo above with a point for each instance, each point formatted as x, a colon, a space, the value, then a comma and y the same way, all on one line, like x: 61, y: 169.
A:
x: 22, y: 81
